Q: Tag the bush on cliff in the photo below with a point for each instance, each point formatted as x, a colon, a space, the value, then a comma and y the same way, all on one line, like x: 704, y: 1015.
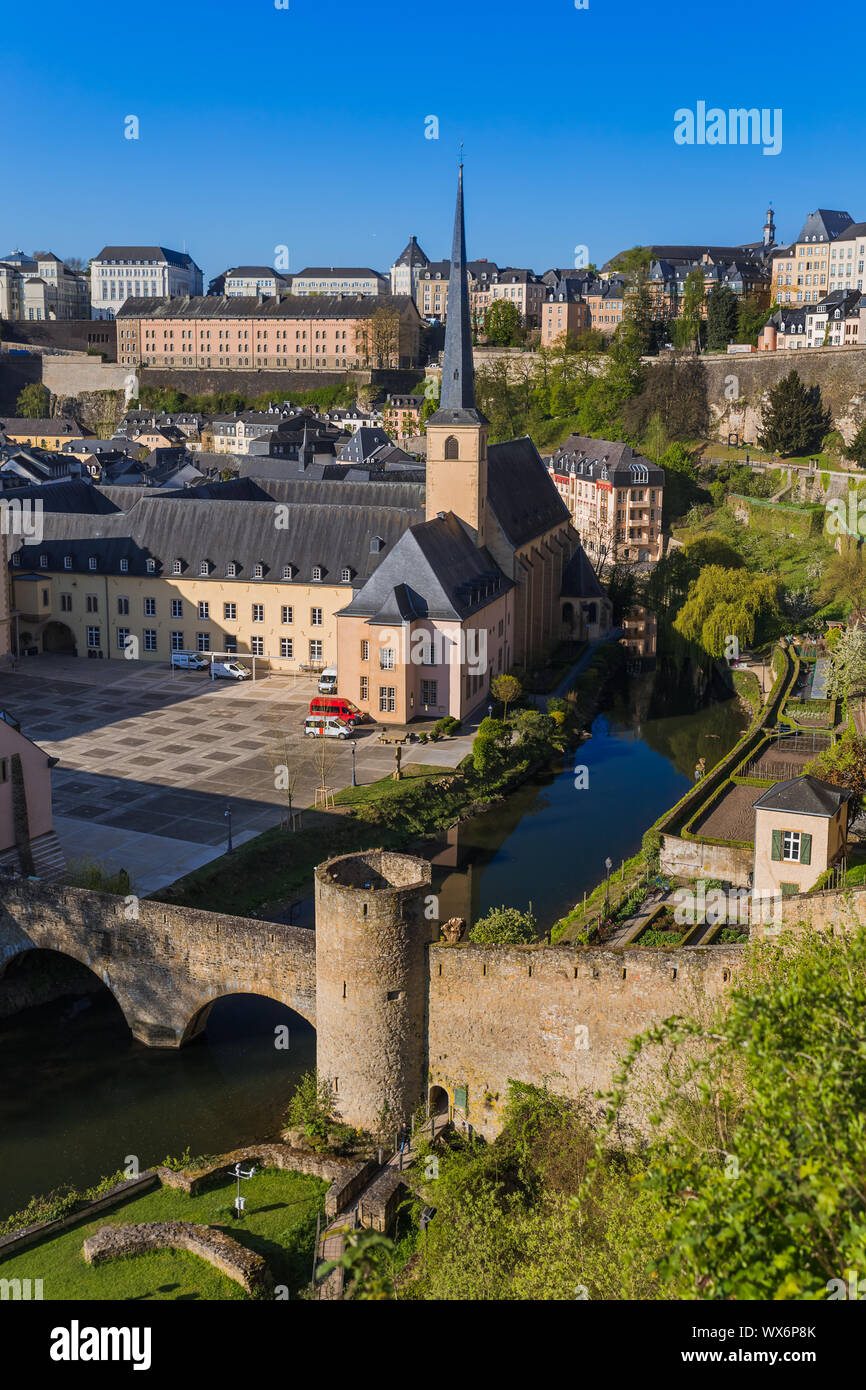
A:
x: 505, y: 926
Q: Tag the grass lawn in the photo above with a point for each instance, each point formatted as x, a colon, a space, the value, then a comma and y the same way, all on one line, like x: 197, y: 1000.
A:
x: 280, y: 1225
x: 387, y: 786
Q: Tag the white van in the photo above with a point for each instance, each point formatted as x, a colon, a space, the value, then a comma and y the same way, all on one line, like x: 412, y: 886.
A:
x: 328, y: 681
x: 229, y: 670
x: 326, y: 726
x: 189, y: 661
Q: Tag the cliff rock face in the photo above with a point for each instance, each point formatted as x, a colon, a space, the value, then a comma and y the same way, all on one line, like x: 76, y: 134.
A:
x: 736, y: 386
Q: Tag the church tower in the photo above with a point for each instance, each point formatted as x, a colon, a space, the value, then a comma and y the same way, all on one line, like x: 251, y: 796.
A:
x: 769, y: 229
x: 457, y: 432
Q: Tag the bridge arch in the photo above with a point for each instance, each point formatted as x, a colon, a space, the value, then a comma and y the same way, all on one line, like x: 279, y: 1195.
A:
x: 27, y: 952
x: 198, y: 1019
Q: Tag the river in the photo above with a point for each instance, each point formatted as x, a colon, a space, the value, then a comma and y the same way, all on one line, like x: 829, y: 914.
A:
x: 79, y: 1096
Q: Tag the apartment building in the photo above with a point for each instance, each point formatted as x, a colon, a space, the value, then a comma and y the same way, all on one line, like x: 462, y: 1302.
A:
x: 335, y: 280
x: 41, y: 287
x: 563, y: 315
x: 119, y: 273
x: 615, y: 498
x: 433, y: 283
x: 835, y: 321
x: 522, y: 288
x: 207, y: 574
x: 800, y: 273
x: 400, y: 414
x: 848, y: 258
x: 605, y: 300
x: 247, y: 280
x: 406, y: 270
x: 42, y: 434
x: 326, y: 332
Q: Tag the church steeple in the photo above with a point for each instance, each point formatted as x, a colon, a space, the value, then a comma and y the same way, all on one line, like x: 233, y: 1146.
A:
x: 458, y: 374
x: 457, y: 431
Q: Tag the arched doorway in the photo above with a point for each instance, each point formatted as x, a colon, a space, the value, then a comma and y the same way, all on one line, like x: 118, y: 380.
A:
x: 57, y: 637
x: 438, y: 1102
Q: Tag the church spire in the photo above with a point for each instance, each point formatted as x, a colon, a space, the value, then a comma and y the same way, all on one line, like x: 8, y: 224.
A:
x: 458, y: 376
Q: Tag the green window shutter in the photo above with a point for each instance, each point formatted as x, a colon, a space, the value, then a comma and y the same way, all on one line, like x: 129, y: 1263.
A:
x: 805, y: 849
x: 461, y: 1097
x: 776, y: 851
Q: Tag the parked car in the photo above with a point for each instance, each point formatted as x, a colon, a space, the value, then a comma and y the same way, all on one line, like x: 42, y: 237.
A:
x: 338, y: 707
x: 189, y: 661
x: 326, y: 726
x: 328, y: 681
x: 229, y: 670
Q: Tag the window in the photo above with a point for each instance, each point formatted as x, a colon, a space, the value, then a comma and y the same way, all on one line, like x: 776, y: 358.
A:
x: 257, y: 646
x: 231, y: 570
x: 150, y: 607
x: 317, y: 571
x: 203, y: 641
x: 204, y: 609
x: 365, y: 651
x: 258, y: 612
x: 791, y: 845
x: 150, y: 639
x: 67, y: 562
x: 365, y: 687
x: 177, y: 608
x: 176, y: 641
x: 286, y: 646
x: 230, y: 610
x: 123, y: 606
x: 429, y: 692
x: 258, y: 571
x: 288, y: 571
x: 122, y: 635
x: 287, y: 614
x: 149, y: 564
x: 94, y: 638
x: 92, y: 603
x: 386, y: 659
x: 345, y: 576
x: 176, y: 567
x: 66, y: 603
x: 91, y: 563
x: 315, y: 651
x: 204, y: 567
x: 43, y: 562
x: 315, y: 617
x: 387, y: 699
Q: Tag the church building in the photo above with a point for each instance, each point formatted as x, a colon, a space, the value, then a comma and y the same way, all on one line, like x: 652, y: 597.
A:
x: 493, y: 579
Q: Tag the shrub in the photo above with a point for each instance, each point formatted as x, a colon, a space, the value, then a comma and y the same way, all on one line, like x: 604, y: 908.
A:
x: 312, y: 1107
x: 505, y: 926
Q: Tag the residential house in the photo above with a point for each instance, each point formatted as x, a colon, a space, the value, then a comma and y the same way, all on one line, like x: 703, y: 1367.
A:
x: 800, y: 273
x: 337, y: 280
x: 563, y: 314
x: 801, y: 827
x: 119, y: 273
x: 41, y: 287
x: 406, y: 270
x: 614, y: 496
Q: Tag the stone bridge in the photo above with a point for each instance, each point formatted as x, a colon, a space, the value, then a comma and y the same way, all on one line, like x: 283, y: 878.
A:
x: 165, y: 965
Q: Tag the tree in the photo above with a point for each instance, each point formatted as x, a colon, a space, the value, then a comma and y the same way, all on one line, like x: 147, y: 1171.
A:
x: 380, y: 338
x: 34, y: 402
x: 506, y: 688
x: 759, y: 1148
x: 503, y: 323
x: 674, y: 389
x: 844, y: 763
x: 794, y: 420
x: 721, y: 318
x: 848, y: 664
x: 856, y: 450
x: 489, y: 745
x: 687, y: 328
x: 312, y: 1107
x: 751, y: 318
x: 845, y: 578
x: 505, y: 926
x: 725, y: 603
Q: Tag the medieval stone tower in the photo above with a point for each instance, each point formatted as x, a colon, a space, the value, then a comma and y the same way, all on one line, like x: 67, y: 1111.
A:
x: 371, y: 983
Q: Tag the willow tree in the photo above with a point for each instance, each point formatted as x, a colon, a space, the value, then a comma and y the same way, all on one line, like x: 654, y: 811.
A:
x: 724, y: 603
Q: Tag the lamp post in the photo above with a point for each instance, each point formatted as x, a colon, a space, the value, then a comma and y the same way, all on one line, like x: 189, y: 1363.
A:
x: 354, y: 782
x: 489, y: 711
x: 228, y: 815
x: 608, y: 865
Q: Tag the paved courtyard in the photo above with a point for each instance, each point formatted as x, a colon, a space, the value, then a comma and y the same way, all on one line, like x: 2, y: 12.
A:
x: 150, y: 757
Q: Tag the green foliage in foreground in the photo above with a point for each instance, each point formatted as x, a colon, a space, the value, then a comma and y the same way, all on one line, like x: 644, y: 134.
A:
x: 759, y: 1146
x: 505, y: 926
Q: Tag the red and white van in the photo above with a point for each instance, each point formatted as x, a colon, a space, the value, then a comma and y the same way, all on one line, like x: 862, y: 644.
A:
x: 336, y: 707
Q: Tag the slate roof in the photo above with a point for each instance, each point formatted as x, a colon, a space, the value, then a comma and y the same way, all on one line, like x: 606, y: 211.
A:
x: 243, y: 306
x: 61, y: 425
x: 434, y: 571
x: 521, y: 493
x: 591, y: 456
x: 825, y: 224
x: 146, y: 253
x: 363, y: 444
x: 192, y: 529
x: 856, y: 229
x: 412, y: 254
x: 806, y: 796
x: 336, y: 270
x: 579, y: 579
x: 262, y: 272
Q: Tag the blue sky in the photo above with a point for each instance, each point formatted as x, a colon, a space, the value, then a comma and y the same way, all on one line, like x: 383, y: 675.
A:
x: 305, y: 127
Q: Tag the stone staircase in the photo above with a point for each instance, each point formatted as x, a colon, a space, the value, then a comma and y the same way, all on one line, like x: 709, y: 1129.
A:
x: 49, y: 861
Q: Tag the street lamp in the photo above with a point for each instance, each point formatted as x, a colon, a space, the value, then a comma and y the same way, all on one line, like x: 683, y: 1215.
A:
x: 354, y: 783
x: 228, y: 815
x: 489, y: 711
x: 608, y: 865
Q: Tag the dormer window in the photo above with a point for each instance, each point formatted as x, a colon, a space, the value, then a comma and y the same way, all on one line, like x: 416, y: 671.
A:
x: 376, y: 545
x: 317, y: 571
x: 345, y: 576
x: 91, y: 563
x: 204, y: 567
x: 231, y: 570
x: 67, y: 562
x: 259, y: 571
x: 151, y: 566
x: 16, y: 559
x: 288, y: 571
x: 177, y: 567
x: 124, y: 566
x: 43, y: 562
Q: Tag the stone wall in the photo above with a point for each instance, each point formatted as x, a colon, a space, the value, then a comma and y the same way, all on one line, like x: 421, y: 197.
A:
x: 562, y: 1013
x: 165, y: 965
x: 256, y: 381
x: 690, y: 859
x: 70, y: 376
x: 228, y: 1256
